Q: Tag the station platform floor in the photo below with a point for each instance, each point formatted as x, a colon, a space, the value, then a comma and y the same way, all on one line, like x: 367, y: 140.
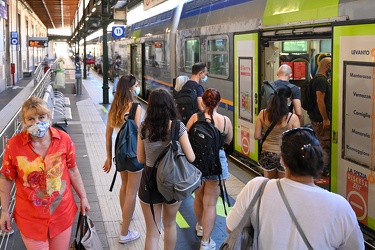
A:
x: 87, y: 129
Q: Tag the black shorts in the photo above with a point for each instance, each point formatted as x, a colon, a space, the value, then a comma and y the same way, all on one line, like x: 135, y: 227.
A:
x: 144, y: 193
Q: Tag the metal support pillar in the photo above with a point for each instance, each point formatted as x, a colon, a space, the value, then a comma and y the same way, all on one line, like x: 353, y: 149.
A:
x: 105, y: 22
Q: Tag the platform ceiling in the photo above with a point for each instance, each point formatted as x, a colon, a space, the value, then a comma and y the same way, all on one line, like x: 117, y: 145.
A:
x: 55, y: 14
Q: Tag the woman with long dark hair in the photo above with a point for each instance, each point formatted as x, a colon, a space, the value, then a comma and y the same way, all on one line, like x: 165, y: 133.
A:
x: 276, y: 114
x: 207, y: 194
x: 154, y: 135
x: 127, y: 90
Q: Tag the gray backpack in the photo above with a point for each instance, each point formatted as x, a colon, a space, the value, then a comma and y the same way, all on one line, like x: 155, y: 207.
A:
x: 176, y: 178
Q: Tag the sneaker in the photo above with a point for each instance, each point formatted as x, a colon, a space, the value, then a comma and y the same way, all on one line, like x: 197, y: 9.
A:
x: 208, y: 245
x: 199, y: 230
x: 132, y: 235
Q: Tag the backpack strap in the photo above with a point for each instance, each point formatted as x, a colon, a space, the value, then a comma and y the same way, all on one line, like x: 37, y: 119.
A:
x: 225, y: 123
x: 273, y: 85
x: 291, y: 114
x: 133, y: 111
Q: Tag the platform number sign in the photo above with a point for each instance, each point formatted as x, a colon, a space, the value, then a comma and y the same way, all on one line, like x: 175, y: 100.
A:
x: 13, y: 38
x: 118, y: 31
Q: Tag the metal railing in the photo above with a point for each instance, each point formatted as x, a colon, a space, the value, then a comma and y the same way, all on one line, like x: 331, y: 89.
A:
x: 13, y: 128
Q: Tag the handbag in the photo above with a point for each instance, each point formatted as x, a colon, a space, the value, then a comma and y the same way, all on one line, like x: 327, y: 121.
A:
x: 292, y: 215
x: 245, y: 235
x: 88, y: 239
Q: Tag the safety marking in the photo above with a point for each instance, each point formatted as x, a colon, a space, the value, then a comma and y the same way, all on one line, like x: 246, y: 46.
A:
x: 104, y: 109
x: 181, y: 222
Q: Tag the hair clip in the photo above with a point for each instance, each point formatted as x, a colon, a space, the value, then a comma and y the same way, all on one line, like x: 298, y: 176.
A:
x: 304, y: 147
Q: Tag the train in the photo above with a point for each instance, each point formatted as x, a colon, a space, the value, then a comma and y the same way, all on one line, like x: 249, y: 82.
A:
x: 243, y: 42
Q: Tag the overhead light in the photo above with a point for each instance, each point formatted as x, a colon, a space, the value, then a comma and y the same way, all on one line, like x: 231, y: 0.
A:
x: 93, y: 10
x: 99, y: 2
x: 87, y: 18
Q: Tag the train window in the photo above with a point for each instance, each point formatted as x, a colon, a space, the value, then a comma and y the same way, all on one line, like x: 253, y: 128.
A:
x: 325, y: 45
x: 294, y: 46
x: 191, y: 53
x: 154, y: 53
x: 217, y: 57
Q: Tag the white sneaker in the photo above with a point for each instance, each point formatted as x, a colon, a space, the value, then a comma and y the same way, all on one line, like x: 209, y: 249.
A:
x: 132, y: 235
x: 208, y: 245
x: 199, y: 230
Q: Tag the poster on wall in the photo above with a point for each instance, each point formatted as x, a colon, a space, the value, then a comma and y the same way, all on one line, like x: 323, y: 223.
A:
x: 245, y: 90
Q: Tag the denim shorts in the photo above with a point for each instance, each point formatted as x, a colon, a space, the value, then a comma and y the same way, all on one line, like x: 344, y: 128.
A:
x: 270, y: 161
x: 224, y: 168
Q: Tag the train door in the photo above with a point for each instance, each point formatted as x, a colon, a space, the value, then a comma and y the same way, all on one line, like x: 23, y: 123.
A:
x: 245, y: 88
x: 136, y: 65
x: 353, y: 128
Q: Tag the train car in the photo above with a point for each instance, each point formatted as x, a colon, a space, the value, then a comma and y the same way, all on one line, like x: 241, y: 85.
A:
x: 243, y: 42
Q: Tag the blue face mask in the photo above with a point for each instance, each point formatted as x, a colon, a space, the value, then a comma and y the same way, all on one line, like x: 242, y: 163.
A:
x: 39, y: 129
x: 204, y: 79
x: 137, y: 91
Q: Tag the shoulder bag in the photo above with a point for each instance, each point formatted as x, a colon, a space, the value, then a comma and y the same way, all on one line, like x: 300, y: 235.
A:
x: 245, y: 235
x: 89, y: 239
x: 292, y: 215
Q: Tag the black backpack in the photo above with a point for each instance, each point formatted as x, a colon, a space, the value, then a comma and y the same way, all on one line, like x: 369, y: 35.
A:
x: 308, y: 100
x: 186, y: 102
x: 204, y: 138
x: 126, y: 143
x: 267, y: 91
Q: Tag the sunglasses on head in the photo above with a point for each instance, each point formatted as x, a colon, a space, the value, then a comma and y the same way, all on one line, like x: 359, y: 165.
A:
x: 295, y: 130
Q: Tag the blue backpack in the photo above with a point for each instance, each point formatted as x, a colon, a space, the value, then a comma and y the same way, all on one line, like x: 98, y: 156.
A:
x: 126, y: 143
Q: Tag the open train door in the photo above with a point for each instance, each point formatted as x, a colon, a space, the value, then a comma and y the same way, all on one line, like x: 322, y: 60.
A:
x: 136, y: 66
x: 353, y: 119
x: 245, y: 98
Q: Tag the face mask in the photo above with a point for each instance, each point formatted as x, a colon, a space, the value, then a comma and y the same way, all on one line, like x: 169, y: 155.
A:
x: 329, y: 73
x: 137, y: 91
x: 39, y: 129
x: 204, y: 79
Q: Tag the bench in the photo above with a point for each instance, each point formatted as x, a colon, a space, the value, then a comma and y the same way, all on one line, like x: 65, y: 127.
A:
x: 57, y: 103
x: 27, y: 73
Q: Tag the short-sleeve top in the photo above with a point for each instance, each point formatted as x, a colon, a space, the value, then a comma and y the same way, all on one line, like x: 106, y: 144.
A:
x: 320, y: 83
x: 45, y: 202
x: 153, y: 149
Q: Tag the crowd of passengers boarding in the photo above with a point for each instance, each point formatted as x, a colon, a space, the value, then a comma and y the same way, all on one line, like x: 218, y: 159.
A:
x: 41, y: 160
x: 297, y: 167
